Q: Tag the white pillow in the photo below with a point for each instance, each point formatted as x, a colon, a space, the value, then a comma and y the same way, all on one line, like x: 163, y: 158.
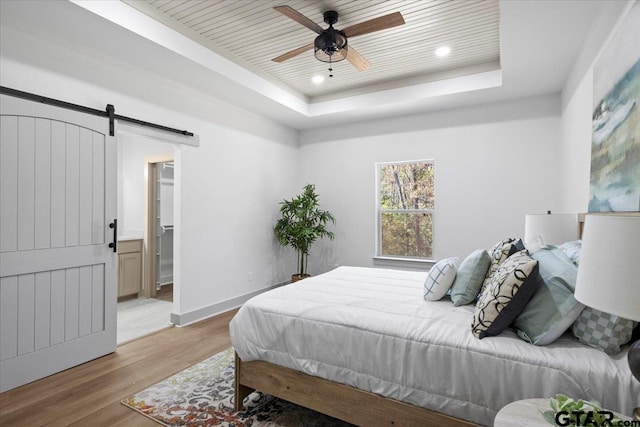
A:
x: 440, y: 279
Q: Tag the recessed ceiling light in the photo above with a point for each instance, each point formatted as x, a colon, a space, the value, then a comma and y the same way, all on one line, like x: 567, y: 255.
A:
x: 317, y: 79
x: 443, y: 51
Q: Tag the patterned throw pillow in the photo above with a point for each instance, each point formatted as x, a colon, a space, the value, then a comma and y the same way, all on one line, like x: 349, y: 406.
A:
x: 470, y: 277
x: 440, y: 279
x: 499, y: 253
x: 602, y: 330
x: 508, y: 291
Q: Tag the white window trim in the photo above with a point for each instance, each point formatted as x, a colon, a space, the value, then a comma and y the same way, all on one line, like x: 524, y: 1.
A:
x: 404, y: 263
x: 379, y: 259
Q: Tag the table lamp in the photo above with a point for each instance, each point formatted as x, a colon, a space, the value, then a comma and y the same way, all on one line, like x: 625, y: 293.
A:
x: 555, y: 229
x: 609, y: 272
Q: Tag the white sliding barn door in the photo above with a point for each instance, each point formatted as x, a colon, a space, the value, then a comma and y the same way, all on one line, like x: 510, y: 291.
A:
x: 57, y: 272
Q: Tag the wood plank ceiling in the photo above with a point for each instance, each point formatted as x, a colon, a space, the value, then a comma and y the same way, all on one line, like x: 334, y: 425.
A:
x: 253, y: 33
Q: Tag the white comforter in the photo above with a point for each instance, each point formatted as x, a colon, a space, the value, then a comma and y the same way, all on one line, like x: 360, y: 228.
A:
x: 371, y: 329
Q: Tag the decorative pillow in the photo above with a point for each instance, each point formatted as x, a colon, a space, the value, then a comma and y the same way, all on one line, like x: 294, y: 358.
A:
x: 440, y: 279
x: 508, y: 291
x: 602, y: 330
x: 499, y: 253
x: 470, y: 277
x: 497, y: 248
x: 572, y: 249
x: 552, y: 309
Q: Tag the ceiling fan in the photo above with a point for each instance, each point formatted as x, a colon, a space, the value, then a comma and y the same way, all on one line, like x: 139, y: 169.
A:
x: 331, y: 45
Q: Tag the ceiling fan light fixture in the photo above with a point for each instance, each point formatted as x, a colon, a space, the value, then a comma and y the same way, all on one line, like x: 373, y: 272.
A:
x: 330, y: 46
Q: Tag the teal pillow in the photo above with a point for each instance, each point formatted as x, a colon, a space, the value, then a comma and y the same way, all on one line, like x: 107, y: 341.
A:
x: 470, y: 277
x: 553, y: 309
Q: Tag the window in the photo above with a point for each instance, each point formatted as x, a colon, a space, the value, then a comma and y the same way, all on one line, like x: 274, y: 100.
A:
x: 405, y: 206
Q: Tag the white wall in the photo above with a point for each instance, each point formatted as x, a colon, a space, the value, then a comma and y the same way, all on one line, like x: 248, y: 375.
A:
x: 494, y: 164
x: 230, y: 184
x: 230, y: 189
x: 576, y: 147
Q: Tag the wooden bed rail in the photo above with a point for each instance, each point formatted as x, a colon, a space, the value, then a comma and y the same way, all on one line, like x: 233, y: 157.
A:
x: 328, y: 397
x: 241, y: 391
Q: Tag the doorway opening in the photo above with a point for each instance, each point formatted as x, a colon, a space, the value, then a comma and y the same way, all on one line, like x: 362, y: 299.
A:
x: 160, y: 226
x: 145, y: 248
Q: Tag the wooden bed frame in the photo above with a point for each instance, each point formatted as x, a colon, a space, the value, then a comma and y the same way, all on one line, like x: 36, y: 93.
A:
x: 331, y: 398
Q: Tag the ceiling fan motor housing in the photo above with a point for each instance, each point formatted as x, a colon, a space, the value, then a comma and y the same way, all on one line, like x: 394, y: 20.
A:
x: 331, y: 41
x: 330, y: 17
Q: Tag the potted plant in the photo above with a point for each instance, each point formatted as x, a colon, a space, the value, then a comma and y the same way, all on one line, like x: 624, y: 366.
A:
x: 302, y: 223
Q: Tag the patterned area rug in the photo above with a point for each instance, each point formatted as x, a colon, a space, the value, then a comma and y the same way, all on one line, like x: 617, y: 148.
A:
x: 202, y: 395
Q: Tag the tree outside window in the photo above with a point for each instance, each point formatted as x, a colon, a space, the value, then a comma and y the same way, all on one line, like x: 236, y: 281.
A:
x: 405, y: 209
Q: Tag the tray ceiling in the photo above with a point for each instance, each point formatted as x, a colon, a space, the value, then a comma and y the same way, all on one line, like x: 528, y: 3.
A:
x: 541, y: 47
x: 251, y: 33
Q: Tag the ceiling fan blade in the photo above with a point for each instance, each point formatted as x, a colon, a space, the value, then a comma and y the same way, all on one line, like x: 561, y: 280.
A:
x: 294, y: 52
x: 375, y: 24
x: 299, y: 18
x: 357, y: 60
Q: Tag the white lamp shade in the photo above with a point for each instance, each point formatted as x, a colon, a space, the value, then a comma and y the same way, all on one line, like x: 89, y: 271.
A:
x: 555, y: 229
x: 609, y: 272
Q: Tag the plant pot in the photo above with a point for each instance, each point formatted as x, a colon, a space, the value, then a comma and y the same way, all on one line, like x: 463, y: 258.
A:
x: 296, y: 277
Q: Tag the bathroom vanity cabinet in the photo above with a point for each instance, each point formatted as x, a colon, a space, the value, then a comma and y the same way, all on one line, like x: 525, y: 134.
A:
x: 129, y: 267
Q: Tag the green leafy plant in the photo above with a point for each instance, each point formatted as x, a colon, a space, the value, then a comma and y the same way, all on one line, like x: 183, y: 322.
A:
x: 302, y: 223
x: 583, y: 408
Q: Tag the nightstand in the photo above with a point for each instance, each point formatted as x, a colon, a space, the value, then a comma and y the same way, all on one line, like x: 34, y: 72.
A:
x: 527, y: 413
x: 523, y: 413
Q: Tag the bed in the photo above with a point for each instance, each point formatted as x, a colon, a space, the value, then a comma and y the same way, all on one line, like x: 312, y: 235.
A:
x: 362, y: 345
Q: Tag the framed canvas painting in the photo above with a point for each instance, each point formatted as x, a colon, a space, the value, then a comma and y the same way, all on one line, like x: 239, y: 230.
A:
x: 615, y: 143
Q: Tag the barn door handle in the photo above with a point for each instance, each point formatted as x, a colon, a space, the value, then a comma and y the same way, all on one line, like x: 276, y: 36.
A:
x: 114, y: 244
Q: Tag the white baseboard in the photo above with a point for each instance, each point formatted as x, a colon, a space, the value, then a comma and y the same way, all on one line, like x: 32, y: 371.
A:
x: 214, y: 309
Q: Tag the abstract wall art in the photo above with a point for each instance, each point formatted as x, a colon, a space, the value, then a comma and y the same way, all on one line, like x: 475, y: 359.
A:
x: 615, y: 143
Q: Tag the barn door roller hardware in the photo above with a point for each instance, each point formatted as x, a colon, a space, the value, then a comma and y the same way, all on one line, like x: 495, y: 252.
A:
x: 109, y: 111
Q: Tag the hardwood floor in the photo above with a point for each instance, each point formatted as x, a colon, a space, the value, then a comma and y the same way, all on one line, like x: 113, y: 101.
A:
x: 90, y: 394
x: 165, y: 293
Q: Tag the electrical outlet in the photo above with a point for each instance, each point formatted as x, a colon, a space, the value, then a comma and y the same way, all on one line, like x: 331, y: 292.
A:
x: 250, y: 276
